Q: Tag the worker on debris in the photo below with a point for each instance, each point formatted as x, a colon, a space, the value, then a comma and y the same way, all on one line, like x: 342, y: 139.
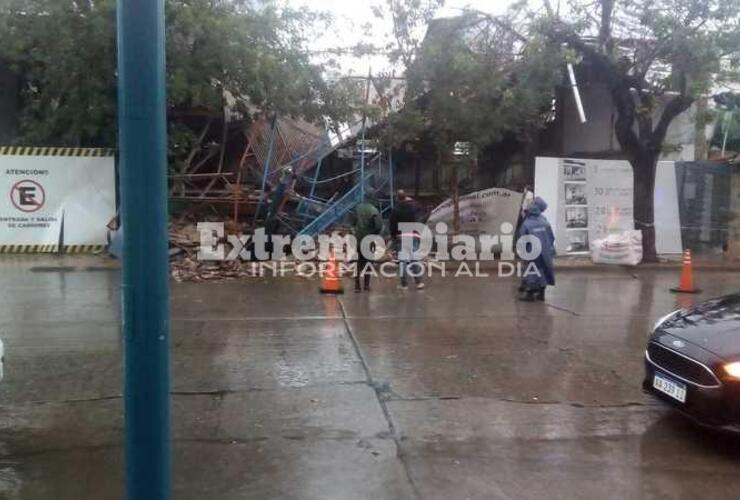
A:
x: 539, y: 272
x: 367, y: 221
x: 405, y: 210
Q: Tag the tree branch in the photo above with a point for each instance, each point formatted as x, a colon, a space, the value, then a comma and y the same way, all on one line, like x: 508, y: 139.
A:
x: 645, y: 116
x: 605, y: 28
x: 624, y: 124
x: 620, y: 85
x: 675, y: 107
x: 597, y: 59
x: 505, y: 25
x: 549, y: 9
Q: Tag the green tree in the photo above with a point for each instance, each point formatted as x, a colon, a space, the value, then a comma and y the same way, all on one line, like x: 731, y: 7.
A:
x: 474, y: 82
x: 473, y: 79
x: 63, y: 53
x: 658, y: 57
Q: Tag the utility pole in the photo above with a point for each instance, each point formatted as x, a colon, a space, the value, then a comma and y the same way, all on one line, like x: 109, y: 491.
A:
x: 143, y: 175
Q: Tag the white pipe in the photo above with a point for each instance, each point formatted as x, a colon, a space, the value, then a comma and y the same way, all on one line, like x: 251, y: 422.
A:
x: 576, y: 94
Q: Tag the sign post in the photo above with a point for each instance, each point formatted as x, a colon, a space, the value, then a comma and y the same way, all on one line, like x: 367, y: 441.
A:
x: 142, y: 143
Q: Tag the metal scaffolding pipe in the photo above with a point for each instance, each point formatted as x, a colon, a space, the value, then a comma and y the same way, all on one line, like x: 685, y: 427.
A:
x: 576, y: 93
x: 266, y: 172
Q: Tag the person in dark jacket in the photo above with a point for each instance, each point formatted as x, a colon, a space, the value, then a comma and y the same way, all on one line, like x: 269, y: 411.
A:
x: 366, y: 220
x: 405, y: 210
x: 536, y: 224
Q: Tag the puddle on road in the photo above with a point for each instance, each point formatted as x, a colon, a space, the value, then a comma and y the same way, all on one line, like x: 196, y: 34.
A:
x: 53, y: 269
x: 69, y: 269
x: 289, y: 375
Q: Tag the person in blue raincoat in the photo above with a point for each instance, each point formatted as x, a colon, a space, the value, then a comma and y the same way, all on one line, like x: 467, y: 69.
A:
x: 535, y: 224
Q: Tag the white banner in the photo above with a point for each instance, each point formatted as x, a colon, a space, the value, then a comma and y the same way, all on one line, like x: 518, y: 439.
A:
x: 596, y: 197
x: 591, y: 199
x: 49, y: 199
x: 481, y: 212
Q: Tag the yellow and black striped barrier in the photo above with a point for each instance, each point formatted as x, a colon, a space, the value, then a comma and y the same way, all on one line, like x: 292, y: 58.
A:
x: 53, y: 151
x: 31, y: 151
x: 75, y: 249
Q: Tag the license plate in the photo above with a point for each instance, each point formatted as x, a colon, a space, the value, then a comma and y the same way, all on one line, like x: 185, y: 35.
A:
x: 676, y: 390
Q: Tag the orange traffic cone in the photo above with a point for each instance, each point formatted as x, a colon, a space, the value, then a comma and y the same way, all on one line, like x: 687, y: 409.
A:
x: 686, y: 285
x: 331, y: 282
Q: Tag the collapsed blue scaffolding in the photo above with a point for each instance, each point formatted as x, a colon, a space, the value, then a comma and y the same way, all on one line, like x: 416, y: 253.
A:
x: 371, y: 173
x: 374, y: 177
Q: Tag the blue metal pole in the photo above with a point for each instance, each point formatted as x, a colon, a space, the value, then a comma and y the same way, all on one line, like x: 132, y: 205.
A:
x: 142, y: 122
x: 316, y: 177
x: 270, y: 147
x: 390, y: 174
x: 362, y: 163
x: 313, y: 185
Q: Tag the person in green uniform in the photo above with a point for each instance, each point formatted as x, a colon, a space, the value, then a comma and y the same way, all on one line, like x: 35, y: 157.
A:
x: 366, y: 220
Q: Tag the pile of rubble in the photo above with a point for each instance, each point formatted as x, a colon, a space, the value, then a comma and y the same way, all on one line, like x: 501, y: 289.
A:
x: 184, y: 263
x: 184, y: 237
x: 187, y: 268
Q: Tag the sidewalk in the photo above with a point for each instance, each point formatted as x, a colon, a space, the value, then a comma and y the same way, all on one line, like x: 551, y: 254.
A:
x: 45, y: 262
x: 701, y: 262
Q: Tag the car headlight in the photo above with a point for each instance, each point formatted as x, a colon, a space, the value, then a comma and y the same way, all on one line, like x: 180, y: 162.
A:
x: 664, y: 319
x: 733, y: 369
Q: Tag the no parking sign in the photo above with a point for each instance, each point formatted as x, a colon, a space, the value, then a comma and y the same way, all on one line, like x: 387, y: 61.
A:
x: 53, y: 195
x: 27, y: 195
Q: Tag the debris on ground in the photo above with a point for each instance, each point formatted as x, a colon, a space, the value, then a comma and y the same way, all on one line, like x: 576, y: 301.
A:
x: 188, y: 268
x: 184, y: 263
x: 184, y: 235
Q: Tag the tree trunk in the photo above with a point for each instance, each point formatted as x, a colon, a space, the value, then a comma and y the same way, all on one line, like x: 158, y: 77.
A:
x: 643, y: 168
x: 701, y: 148
x: 435, y: 172
x: 643, y: 150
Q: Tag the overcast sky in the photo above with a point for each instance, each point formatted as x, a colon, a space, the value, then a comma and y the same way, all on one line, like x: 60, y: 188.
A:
x: 351, y: 15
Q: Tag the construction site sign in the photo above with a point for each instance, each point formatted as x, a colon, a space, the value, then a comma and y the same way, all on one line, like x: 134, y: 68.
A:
x: 591, y: 199
x: 55, y: 196
x: 481, y: 212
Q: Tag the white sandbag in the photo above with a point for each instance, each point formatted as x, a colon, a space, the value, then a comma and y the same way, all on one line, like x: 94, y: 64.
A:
x: 623, y: 248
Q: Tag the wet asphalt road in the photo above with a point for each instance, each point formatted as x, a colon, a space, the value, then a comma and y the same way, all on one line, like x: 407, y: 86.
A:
x: 455, y: 392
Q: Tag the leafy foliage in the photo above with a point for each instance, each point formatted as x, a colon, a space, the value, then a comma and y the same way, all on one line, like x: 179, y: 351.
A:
x: 657, y: 57
x: 473, y: 79
x: 686, y: 46
x: 63, y: 51
x: 64, y: 54
x: 410, y: 20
